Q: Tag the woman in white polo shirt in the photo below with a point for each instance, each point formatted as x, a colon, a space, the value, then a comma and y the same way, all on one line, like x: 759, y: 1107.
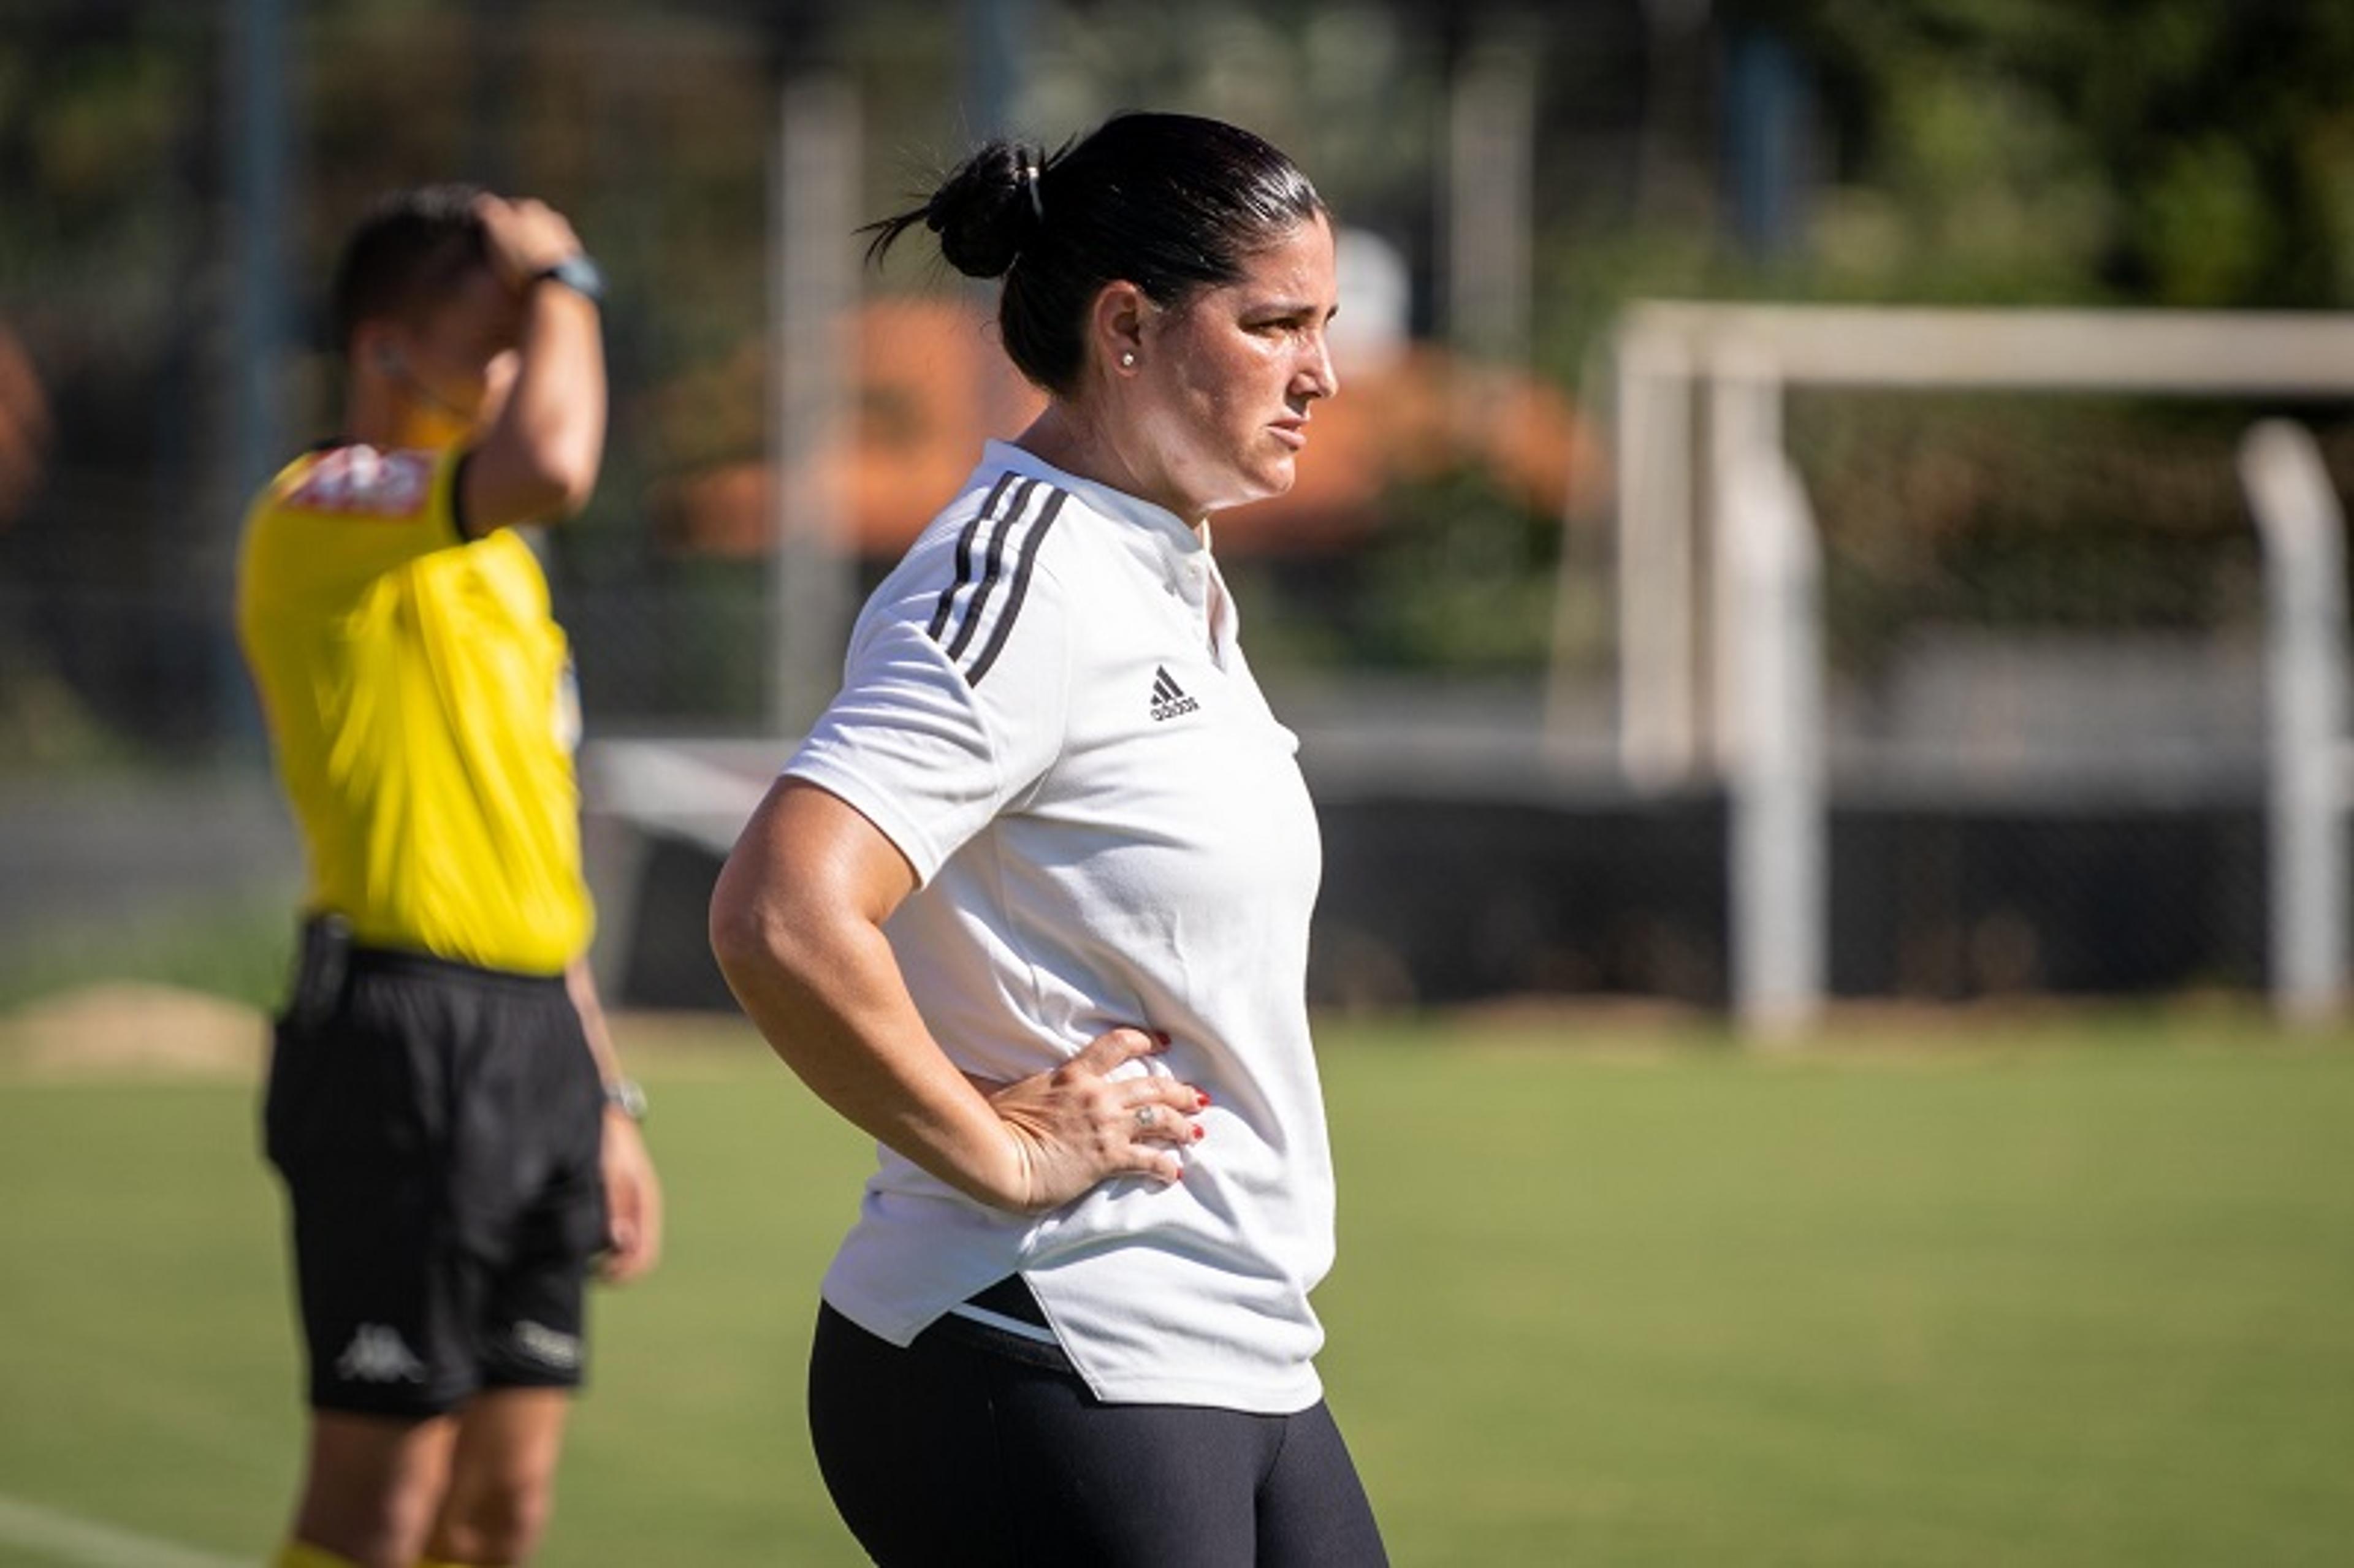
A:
x: 1030, y: 905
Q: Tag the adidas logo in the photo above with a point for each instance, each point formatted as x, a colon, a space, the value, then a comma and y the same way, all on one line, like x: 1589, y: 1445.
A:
x: 1169, y: 700
x: 378, y: 1354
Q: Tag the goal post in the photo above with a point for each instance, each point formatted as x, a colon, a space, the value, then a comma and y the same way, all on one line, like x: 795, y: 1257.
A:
x: 1697, y: 399
x: 1779, y: 859
x: 2304, y: 533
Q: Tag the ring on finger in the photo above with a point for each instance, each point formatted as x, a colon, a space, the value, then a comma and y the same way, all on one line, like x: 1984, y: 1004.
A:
x: 1146, y: 1116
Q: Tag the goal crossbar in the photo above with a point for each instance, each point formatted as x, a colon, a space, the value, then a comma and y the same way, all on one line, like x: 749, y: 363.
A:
x: 2181, y: 353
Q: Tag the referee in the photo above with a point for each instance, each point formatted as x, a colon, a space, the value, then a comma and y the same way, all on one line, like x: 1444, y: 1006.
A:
x: 457, y: 1146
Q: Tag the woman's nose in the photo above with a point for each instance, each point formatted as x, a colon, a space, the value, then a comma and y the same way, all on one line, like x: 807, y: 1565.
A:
x: 1322, y: 379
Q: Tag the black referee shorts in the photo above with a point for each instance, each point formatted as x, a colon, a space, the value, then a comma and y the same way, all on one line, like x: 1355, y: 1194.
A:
x: 437, y: 1128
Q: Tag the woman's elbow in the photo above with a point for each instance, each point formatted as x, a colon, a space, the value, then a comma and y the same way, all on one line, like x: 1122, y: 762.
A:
x: 743, y: 930
x: 802, y: 900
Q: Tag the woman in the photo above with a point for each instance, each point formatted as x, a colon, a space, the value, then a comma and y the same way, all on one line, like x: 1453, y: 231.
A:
x: 1071, y: 1324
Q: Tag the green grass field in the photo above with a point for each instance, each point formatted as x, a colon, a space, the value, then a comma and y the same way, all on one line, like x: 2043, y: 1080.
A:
x: 2022, y: 1294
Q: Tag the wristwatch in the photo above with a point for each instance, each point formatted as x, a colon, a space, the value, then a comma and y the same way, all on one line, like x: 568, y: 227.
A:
x: 624, y: 1095
x: 578, y: 273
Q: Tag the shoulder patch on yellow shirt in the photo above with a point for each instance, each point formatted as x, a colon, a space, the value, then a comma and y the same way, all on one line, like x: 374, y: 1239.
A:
x: 363, y: 480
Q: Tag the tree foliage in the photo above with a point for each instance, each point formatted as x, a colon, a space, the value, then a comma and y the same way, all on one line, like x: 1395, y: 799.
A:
x: 2196, y: 153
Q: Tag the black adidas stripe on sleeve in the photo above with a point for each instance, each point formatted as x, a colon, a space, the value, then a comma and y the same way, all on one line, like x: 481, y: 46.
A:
x: 955, y: 626
x: 964, y: 555
x: 1021, y: 586
x: 992, y: 562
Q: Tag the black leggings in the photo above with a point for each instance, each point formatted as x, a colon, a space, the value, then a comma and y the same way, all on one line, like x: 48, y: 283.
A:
x: 947, y: 1453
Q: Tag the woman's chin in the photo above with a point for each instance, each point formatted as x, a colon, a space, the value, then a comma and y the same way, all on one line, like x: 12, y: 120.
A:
x: 1275, y: 479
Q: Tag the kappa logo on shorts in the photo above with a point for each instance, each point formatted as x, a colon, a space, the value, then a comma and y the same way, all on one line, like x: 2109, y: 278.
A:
x: 1169, y: 699
x: 548, y: 1346
x: 378, y: 1354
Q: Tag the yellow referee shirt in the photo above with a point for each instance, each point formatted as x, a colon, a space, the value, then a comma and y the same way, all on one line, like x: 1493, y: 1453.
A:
x: 420, y: 707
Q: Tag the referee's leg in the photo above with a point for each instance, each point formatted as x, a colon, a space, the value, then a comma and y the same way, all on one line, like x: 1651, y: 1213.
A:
x: 537, y: 1105
x: 371, y: 1487
x: 502, y: 1482
x: 368, y: 1262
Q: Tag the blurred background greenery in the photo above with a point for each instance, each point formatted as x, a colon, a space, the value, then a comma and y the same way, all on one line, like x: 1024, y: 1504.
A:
x: 2176, y: 153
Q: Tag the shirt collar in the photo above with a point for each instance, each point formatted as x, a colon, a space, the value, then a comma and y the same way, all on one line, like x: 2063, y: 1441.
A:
x: 1166, y: 538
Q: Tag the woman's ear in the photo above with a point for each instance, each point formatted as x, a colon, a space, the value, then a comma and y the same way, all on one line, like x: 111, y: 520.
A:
x: 1116, y: 324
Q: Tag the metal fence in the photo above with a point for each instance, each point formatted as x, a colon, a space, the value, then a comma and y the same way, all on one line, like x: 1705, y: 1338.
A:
x: 1552, y: 751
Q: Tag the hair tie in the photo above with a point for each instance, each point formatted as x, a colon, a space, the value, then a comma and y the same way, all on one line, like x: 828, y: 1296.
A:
x: 1028, y: 176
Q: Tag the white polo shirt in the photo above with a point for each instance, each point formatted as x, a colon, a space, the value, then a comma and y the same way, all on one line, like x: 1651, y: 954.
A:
x: 1045, y: 709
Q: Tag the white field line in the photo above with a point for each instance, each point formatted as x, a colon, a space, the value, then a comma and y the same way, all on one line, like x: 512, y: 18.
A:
x: 68, y: 1538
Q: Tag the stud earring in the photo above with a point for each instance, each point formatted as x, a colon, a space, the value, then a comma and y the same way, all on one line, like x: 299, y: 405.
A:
x: 1127, y: 361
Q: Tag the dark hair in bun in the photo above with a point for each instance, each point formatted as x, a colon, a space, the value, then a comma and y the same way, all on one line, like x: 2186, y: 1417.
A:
x: 982, y: 212
x: 1172, y: 203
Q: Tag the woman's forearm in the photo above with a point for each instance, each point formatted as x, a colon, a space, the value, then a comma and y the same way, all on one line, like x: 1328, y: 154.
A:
x: 796, y: 934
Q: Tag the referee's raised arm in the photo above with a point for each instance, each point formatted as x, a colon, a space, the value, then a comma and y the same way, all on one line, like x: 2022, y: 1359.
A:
x: 538, y: 456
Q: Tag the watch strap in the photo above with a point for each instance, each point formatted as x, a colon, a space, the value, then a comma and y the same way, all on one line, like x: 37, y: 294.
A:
x: 578, y: 273
x: 624, y: 1095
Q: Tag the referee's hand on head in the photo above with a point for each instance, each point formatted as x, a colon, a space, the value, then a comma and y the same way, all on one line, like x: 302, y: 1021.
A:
x: 526, y: 236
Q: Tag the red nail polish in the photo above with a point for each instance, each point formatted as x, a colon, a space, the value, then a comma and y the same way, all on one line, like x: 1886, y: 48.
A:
x: 1200, y: 1132
x: 1203, y: 1097
x: 1161, y: 1035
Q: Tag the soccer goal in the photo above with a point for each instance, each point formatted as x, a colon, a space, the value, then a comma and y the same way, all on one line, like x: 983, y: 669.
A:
x: 1720, y: 603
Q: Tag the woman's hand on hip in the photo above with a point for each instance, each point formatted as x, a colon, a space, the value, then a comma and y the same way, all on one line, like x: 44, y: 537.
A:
x: 1076, y: 1126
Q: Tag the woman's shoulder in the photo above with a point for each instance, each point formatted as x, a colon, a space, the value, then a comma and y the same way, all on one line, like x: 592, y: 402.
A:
x: 996, y: 575
x: 1006, y: 524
